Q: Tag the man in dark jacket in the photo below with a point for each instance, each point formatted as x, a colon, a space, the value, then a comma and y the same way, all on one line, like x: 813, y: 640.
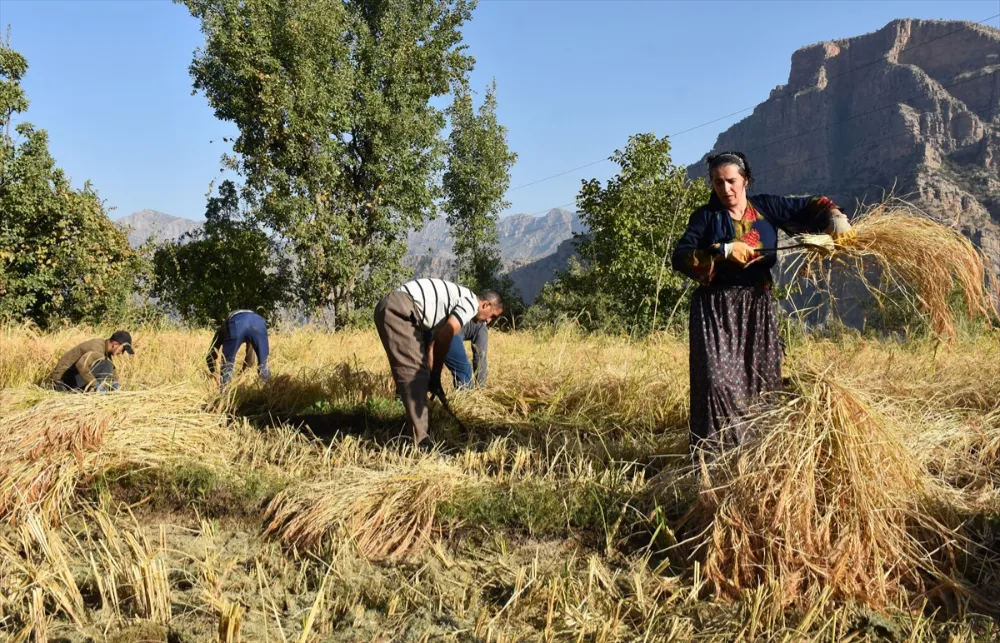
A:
x: 88, y: 366
x: 241, y: 327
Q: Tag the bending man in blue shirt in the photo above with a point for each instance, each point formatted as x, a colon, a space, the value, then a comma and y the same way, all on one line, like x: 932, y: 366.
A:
x: 241, y: 327
x: 458, y: 362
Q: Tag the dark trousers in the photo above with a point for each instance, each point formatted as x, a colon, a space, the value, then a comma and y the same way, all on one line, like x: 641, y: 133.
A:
x: 240, y: 329
x: 402, y: 339
x: 104, y: 380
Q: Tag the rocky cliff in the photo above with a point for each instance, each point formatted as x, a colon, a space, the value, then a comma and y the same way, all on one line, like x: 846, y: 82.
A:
x: 530, y: 276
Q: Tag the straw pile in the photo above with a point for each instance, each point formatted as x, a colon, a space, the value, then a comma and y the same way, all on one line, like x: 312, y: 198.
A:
x: 825, y: 503
x: 389, y: 514
x: 49, y: 447
x: 911, y: 248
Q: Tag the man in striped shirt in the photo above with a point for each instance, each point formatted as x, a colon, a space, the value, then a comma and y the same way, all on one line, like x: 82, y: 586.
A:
x: 404, y: 315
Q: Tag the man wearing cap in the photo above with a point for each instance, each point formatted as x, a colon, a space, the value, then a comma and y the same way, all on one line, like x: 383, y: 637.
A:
x: 88, y: 366
x: 241, y: 327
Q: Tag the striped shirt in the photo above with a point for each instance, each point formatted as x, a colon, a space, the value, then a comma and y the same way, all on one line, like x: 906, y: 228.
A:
x: 437, y: 299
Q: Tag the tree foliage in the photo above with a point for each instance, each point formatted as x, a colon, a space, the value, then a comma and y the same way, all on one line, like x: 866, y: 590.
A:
x: 475, y: 182
x: 339, y: 144
x: 229, y: 264
x: 61, y: 258
x: 634, y: 222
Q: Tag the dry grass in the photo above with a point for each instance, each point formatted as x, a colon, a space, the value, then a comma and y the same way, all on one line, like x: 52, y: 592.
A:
x: 909, y: 247
x: 826, y: 503
x: 51, y: 442
x: 388, y: 514
x: 875, y: 484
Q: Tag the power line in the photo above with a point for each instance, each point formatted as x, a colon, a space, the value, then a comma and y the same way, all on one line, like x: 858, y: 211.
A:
x: 771, y: 98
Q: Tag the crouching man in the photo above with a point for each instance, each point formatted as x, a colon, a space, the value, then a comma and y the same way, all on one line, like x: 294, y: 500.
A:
x: 89, y: 366
x: 403, y: 316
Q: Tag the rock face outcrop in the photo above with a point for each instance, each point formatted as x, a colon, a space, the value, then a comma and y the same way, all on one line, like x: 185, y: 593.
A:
x: 912, y: 108
x: 530, y: 276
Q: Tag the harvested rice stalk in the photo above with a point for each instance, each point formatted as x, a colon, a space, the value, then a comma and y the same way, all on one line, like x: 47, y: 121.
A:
x: 37, y: 580
x: 909, y: 246
x: 388, y: 513
x: 826, y: 500
x: 47, y: 448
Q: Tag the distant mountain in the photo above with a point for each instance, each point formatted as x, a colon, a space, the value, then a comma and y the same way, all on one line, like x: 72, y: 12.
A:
x: 531, y: 247
x: 531, y: 276
x: 152, y: 223
x: 523, y: 238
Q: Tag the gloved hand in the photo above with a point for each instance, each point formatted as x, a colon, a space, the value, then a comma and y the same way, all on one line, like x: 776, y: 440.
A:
x: 740, y: 252
x: 434, y: 387
x: 840, y: 229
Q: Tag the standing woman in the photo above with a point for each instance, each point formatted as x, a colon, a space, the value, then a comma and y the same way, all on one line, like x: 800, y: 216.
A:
x: 729, y: 249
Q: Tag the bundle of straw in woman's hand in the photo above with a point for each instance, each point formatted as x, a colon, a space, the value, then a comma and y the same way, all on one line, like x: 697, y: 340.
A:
x: 910, y: 249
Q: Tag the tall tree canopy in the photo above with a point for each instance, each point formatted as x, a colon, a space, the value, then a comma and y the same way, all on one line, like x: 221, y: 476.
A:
x: 339, y: 147
x: 475, y: 182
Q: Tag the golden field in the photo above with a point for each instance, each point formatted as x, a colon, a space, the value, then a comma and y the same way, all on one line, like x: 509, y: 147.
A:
x: 569, y: 509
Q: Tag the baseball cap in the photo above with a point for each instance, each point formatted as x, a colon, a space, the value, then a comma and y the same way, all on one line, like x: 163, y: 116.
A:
x: 125, y: 339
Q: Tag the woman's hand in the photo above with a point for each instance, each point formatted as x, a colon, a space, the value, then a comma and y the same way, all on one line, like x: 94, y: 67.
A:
x: 742, y: 254
x: 840, y: 229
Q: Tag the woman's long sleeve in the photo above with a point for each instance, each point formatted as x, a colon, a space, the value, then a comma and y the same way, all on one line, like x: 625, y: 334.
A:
x: 691, y: 257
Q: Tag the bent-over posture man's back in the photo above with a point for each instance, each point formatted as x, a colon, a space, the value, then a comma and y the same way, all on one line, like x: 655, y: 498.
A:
x: 241, y: 327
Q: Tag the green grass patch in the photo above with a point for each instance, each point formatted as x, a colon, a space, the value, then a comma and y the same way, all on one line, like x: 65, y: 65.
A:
x: 541, y: 508
x: 191, y: 486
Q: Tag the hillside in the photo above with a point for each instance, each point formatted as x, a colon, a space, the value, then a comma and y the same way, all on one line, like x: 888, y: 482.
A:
x: 146, y: 224
x: 532, y: 248
x: 522, y: 236
x: 530, y: 276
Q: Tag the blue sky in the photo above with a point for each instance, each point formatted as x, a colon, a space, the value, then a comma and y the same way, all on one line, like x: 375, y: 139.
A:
x: 109, y: 81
